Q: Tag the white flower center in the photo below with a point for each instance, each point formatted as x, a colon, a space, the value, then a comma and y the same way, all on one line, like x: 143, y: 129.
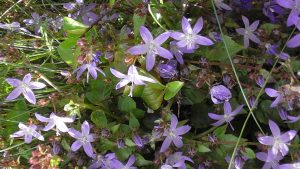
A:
x: 152, y: 48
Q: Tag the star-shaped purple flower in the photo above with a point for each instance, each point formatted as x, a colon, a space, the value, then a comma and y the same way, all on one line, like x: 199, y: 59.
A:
x: 83, y: 138
x: 220, y: 94
x: 270, y: 160
x: 132, y: 77
x: 294, y: 5
x: 189, y: 38
x: 248, y: 31
x: 178, y: 52
x: 108, y: 161
x: 35, y: 21
x: 91, y: 68
x: 278, y: 141
x: 55, y: 120
x: 173, y: 134
x: 176, y: 160
x: 290, y: 166
x: 152, y: 47
x: 28, y: 132
x: 129, y: 163
x: 227, y: 117
x: 274, y: 93
x: 24, y: 87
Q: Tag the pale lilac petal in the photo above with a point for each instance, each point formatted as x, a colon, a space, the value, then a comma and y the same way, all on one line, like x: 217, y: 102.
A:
x: 18, y: 134
x: 36, y: 85
x: 284, y: 149
x: 276, y: 101
x: 166, y: 144
x: 80, y: 70
x: 262, y: 156
x: 215, y: 116
x: 198, y: 26
x: 292, y: 17
x: 37, y: 135
x: 162, y: 38
x: 254, y: 25
x: 288, y: 136
x: 246, y: 21
x: 254, y: 38
x: 227, y: 108
x: 241, y: 31
x: 76, y: 145
x: 271, y: 92
x: 49, y: 126
x: 237, y: 110
x: 182, y: 130
x: 174, y: 121
x: 14, y: 82
x: 164, y: 53
x: 101, y: 71
x: 186, y: 26
x: 27, y: 78
x: 41, y: 118
x: 201, y: 40
x: 139, y: 81
x: 131, y: 161
x: 266, y: 140
x: 67, y: 119
x: 88, y: 149
x: 138, y: 49
x: 28, y: 21
x: 146, y: 34
x: 147, y: 79
x: 74, y: 133
x: 274, y: 128
x: 61, y: 126
x: 14, y: 94
x: 150, y: 61
x: 225, y: 6
x: 182, y: 43
x: 85, y: 128
x: 92, y: 71
x: 178, y: 142
x: 117, y: 73
x: 294, y: 41
x: 285, y: 3
x: 28, y: 138
x: 122, y: 83
x: 177, y: 35
x: 219, y: 122
x: 29, y: 95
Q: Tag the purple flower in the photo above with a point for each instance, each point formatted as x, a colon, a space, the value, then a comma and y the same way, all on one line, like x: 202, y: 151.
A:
x: 295, y: 10
x: 271, y: 9
x: 220, y: 94
x: 293, y: 119
x: 272, y: 50
x: 173, y: 134
x: 28, y: 132
x: 270, y: 160
x: 260, y: 81
x: 109, y: 161
x: 290, y: 166
x: 227, y: 117
x: 129, y: 164
x: 138, y: 141
x: 189, y: 38
x: 167, y: 70
x: 132, y: 76
x: 36, y: 19
x: 54, y: 120
x: 278, y: 141
x: 70, y: 6
x: 239, y: 161
x: 91, y: 68
x: 25, y: 87
x: 221, y: 5
x: 178, y: 52
x: 283, y: 113
x: 244, y: 4
x: 152, y: 47
x: 274, y: 93
x: 14, y: 26
x: 294, y: 41
x: 248, y: 31
x: 83, y: 138
x: 176, y: 160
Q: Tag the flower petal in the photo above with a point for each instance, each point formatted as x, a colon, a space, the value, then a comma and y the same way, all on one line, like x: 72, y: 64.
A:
x: 150, y: 61
x: 49, y: 126
x: 177, y: 35
x: 254, y: 38
x: 198, y: 26
x: 288, y: 136
x: 246, y: 41
x: 219, y: 122
x: 237, y: 110
x: 165, y: 144
x: 182, y: 130
x: 29, y: 95
x: 36, y: 85
x: 294, y: 41
x: 254, y: 25
x: 138, y: 49
x: 246, y: 21
x: 266, y: 140
x: 186, y: 26
x: 201, y: 40
x: 131, y: 161
x: 76, y: 145
x: 147, y: 79
x: 164, y: 53
x: 285, y: 3
x: 14, y: 82
x: 227, y: 108
x: 162, y: 38
x: 27, y: 78
x: 174, y: 121
x: 146, y: 34
x: 117, y: 73
x: 240, y: 31
x: 14, y: 94
x: 28, y: 138
x: 274, y: 128
x: 178, y: 142
x: 41, y: 118
x: 88, y: 149
x: 271, y: 92
x: 122, y: 83
x: 74, y: 133
x: 85, y: 128
x: 215, y: 116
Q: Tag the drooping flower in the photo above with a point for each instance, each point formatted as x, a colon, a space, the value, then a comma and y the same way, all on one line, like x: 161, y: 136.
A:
x: 138, y: 141
x: 283, y: 113
x: 220, y: 94
x: 274, y: 93
x: 176, y: 160
x: 227, y: 117
x: 28, y: 132
x: 24, y: 87
x: 167, y: 70
x: 293, y: 119
x: 248, y: 31
x: 14, y: 26
x: 294, y: 5
x: 55, y: 121
x: 83, y: 138
x: 129, y: 163
x: 290, y: 166
x: 272, y: 50
x: 91, y: 68
x: 35, y: 21
x: 70, y: 6
x: 178, y: 52
x: 108, y: 161
x: 270, y: 160
x: 278, y: 141
x: 190, y: 39
x: 272, y: 10
x: 152, y: 47
x: 132, y: 77
x: 260, y: 81
x: 238, y: 162
x: 173, y: 134
x: 221, y: 5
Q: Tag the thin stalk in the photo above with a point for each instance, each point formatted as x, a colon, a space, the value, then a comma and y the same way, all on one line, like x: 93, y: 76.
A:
x: 154, y: 18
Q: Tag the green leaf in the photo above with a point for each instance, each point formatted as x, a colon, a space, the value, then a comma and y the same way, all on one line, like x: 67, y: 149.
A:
x: 66, y: 51
x: 172, y: 89
x: 126, y: 104
x: 203, y: 149
x: 249, y: 153
x: 99, y: 118
x: 269, y: 27
x: 73, y: 27
x: 194, y: 96
x: 129, y: 142
x: 219, y: 52
x: 112, y: 2
x: 153, y: 95
x: 220, y: 131
x: 133, y: 122
x: 140, y: 161
x: 98, y: 91
x: 138, y: 21
x: 19, y: 113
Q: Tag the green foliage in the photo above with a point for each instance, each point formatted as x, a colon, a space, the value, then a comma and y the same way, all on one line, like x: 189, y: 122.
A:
x: 172, y: 89
x: 19, y: 113
x: 126, y: 104
x: 203, y: 149
x: 98, y: 92
x: 99, y: 118
x: 73, y: 27
x: 138, y: 21
x: 153, y: 95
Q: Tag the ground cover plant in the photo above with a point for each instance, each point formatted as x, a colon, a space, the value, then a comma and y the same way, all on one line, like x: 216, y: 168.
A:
x: 150, y: 84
